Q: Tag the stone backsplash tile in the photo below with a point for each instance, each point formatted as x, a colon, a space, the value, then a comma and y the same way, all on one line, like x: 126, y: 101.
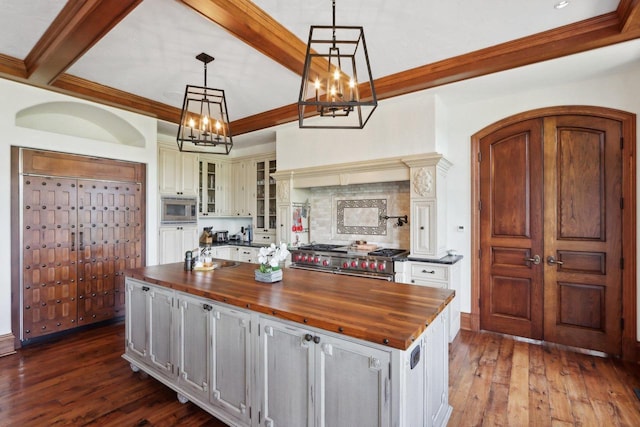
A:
x: 324, y: 213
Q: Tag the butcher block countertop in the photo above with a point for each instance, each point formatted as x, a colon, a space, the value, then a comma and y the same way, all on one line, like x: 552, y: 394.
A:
x: 378, y: 311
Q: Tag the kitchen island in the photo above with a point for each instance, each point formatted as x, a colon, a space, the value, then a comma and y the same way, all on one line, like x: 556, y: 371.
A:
x: 315, y: 349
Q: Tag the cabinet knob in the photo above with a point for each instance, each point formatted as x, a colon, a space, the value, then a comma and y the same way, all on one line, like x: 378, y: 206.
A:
x: 422, y: 228
x: 316, y: 339
x: 308, y: 337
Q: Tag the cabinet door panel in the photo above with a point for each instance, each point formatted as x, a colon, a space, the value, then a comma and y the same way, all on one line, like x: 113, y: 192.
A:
x: 353, y: 382
x: 49, y: 255
x: 231, y: 362
x: 195, y: 345
x: 423, y: 215
x: 287, y: 365
x: 136, y: 319
x: 160, y: 328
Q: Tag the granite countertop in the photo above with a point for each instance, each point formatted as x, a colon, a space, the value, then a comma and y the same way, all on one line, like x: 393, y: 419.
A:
x: 387, y: 313
x: 449, y: 259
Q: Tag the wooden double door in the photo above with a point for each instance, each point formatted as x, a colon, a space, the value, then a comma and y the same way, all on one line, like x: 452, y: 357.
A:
x: 551, y: 231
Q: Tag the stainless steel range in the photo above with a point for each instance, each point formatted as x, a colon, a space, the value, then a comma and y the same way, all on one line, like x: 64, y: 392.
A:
x: 339, y: 259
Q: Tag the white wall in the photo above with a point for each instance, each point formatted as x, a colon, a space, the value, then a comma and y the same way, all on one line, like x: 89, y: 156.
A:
x: 443, y: 120
x: 16, y: 97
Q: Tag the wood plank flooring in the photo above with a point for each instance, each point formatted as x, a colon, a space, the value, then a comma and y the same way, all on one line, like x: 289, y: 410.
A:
x: 81, y: 380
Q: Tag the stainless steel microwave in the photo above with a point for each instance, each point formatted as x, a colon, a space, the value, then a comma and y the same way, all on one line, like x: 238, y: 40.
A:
x: 178, y: 210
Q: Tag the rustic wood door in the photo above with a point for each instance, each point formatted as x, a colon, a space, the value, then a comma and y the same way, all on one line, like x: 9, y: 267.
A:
x: 50, y: 254
x: 582, y: 232
x: 109, y: 241
x: 550, y: 194
x: 511, y: 190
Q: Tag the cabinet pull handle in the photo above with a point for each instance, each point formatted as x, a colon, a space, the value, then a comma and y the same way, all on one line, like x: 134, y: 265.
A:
x: 145, y: 288
x: 207, y: 307
x: 429, y: 272
x: 81, y: 242
x: 73, y: 241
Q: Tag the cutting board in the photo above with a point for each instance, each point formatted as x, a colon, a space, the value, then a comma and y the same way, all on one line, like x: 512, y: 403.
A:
x: 366, y: 247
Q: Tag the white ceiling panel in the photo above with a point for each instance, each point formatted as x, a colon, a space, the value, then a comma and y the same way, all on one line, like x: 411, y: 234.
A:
x: 22, y: 23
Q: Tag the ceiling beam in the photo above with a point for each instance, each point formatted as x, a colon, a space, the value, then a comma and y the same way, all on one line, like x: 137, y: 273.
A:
x: 629, y: 13
x: 91, y: 91
x: 75, y: 30
x: 247, y: 22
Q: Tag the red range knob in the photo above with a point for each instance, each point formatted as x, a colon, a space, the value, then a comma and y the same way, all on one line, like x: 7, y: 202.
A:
x: 305, y: 258
x: 298, y: 257
x: 325, y: 262
x: 364, y: 264
x: 317, y: 260
x: 345, y: 264
x: 372, y: 265
x: 354, y: 264
x: 381, y: 266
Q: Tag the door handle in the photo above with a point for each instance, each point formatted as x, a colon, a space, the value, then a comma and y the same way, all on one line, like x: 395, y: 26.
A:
x: 535, y: 259
x: 551, y: 260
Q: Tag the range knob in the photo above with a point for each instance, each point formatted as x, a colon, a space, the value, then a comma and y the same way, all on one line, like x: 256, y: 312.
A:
x: 305, y: 258
x: 364, y: 264
x: 372, y: 265
x: 354, y: 264
x: 316, y: 260
x: 381, y: 266
x: 325, y: 262
x: 298, y: 257
x: 345, y: 264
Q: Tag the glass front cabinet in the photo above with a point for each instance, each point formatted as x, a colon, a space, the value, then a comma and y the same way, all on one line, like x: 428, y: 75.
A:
x: 214, y: 189
x: 265, y: 219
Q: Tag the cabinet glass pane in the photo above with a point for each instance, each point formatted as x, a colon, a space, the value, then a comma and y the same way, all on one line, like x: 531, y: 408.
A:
x: 272, y: 195
x: 261, y: 188
x: 201, y: 185
x: 211, y: 187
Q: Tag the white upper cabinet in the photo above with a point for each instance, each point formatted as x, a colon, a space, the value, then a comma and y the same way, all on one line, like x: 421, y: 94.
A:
x: 178, y: 173
x: 214, y: 188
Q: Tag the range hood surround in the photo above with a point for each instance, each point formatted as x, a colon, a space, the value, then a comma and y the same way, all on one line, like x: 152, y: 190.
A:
x: 363, y: 172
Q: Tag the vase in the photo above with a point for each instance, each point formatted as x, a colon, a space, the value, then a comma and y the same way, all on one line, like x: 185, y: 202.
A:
x: 269, y: 276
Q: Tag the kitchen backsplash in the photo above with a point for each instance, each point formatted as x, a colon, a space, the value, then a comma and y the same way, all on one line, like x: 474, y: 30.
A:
x: 343, y: 214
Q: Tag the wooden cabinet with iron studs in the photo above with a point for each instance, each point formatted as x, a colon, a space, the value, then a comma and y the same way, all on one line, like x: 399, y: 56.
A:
x: 77, y: 237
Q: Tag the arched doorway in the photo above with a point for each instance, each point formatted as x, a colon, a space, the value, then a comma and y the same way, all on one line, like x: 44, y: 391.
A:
x: 555, y: 191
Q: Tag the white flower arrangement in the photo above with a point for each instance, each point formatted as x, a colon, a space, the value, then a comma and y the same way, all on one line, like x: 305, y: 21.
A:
x: 271, y: 256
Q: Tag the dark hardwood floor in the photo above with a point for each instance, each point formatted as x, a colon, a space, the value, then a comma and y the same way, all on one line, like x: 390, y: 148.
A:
x: 494, y: 381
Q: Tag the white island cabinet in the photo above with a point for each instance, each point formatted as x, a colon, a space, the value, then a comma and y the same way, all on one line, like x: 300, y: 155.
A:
x: 327, y: 381
x: 251, y: 369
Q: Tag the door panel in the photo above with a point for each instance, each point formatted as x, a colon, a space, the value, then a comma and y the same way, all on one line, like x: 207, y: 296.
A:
x: 49, y: 255
x: 583, y: 219
x: 511, y: 230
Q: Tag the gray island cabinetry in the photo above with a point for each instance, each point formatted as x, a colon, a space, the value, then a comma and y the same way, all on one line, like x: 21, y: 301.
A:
x: 292, y: 353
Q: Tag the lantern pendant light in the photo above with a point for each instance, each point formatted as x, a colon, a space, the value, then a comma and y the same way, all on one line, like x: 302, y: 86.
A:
x: 204, y: 121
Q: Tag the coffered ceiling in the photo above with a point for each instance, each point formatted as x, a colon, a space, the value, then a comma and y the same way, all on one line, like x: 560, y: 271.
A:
x: 139, y: 55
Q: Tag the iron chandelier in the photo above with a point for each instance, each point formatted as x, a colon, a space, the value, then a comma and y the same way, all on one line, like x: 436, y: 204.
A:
x: 337, y: 88
x: 204, y: 121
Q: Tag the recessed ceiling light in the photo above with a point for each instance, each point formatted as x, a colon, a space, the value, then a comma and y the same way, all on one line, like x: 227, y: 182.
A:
x: 561, y: 4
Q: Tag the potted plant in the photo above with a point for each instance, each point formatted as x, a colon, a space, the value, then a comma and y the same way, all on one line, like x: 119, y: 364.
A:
x: 270, y: 258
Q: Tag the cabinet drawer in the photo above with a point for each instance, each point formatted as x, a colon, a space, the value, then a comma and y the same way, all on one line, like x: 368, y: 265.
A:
x: 431, y: 284
x: 429, y: 272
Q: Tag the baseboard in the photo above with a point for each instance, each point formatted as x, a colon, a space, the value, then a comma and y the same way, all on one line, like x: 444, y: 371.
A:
x: 6, y: 345
x: 465, y: 321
